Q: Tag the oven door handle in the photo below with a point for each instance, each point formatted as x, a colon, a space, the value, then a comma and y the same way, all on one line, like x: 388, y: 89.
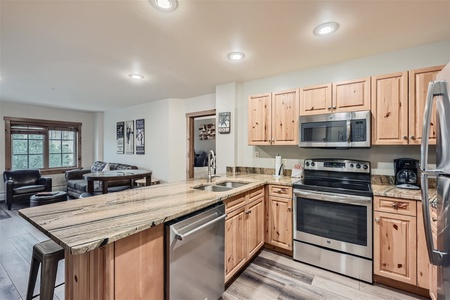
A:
x: 323, y: 196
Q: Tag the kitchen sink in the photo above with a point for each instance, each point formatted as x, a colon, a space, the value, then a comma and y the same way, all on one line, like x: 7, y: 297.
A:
x: 232, y: 184
x: 212, y: 188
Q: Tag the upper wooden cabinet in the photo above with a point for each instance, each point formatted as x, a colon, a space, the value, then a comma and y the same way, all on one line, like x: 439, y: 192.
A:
x: 390, y: 109
x: 273, y: 118
x: 397, y: 115
x: 418, y: 87
x: 345, y: 96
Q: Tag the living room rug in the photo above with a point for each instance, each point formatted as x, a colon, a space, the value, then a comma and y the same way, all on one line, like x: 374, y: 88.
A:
x: 4, y: 214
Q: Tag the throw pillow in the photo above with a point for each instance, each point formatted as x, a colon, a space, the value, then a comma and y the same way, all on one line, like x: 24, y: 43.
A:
x: 106, y: 168
x: 98, y: 166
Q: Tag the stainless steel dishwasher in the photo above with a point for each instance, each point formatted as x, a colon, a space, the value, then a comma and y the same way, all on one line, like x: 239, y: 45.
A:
x: 195, y: 256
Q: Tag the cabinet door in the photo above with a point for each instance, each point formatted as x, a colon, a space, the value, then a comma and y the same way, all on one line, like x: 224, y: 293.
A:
x: 395, y: 247
x: 285, y: 118
x: 390, y: 109
x: 418, y: 87
x: 234, y: 242
x: 280, y: 222
x: 255, y: 226
x: 315, y: 100
x: 259, y: 119
x: 423, y: 265
x: 433, y: 269
x: 352, y: 95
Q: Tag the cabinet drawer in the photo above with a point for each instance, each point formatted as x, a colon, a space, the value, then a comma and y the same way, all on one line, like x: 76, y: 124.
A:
x: 256, y: 193
x: 234, y: 202
x: 395, y: 205
x: 280, y: 191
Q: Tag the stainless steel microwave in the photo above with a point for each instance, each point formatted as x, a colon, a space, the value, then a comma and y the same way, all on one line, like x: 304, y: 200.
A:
x: 338, y: 130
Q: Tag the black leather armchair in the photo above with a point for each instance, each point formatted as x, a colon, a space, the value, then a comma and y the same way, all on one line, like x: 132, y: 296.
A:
x: 20, y: 185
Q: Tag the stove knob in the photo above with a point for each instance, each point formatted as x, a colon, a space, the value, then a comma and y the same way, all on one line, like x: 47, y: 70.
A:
x: 307, y: 164
x: 358, y: 166
x: 352, y: 165
x: 313, y: 164
x: 365, y: 167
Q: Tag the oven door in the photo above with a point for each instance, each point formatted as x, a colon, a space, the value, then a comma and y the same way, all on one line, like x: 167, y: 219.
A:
x: 335, y: 221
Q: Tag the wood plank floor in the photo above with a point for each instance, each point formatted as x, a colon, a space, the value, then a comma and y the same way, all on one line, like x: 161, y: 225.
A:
x: 270, y: 276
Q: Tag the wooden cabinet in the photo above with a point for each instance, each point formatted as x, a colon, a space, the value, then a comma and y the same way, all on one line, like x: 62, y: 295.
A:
x: 395, y: 240
x: 397, y: 114
x: 345, y: 96
x: 418, y: 87
x: 273, y: 118
x: 433, y: 269
x: 390, y: 109
x: 399, y: 242
x: 244, y: 229
x: 279, y: 216
x: 106, y: 272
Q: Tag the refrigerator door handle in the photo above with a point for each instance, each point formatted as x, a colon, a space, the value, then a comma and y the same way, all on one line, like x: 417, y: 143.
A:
x: 435, y: 88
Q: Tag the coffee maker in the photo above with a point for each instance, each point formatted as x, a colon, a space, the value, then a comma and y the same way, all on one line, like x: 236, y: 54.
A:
x: 406, y: 173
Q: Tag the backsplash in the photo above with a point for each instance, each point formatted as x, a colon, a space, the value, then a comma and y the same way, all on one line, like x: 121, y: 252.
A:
x: 376, y: 179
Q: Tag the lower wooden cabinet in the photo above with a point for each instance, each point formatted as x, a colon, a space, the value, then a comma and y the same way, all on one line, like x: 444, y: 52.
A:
x: 395, y: 246
x: 244, y: 229
x: 399, y: 242
x: 279, y: 217
x: 130, y: 268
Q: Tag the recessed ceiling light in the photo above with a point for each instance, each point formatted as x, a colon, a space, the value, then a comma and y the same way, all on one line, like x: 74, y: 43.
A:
x: 236, y: 56
x: 164, y: 5
x: 136, y: 76
x: 326, y: 28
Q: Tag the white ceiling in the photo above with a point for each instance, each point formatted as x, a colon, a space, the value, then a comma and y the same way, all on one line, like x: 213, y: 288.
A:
x: 78, y: 54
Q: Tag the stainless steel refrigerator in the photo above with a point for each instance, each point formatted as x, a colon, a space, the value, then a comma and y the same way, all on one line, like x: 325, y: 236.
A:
x: 439, y: 254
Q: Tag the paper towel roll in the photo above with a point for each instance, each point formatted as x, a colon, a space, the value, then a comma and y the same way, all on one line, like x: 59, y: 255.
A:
x: 277, y: 165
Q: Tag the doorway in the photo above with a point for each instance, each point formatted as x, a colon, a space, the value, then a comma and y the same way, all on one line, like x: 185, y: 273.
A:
x: 201, y: 138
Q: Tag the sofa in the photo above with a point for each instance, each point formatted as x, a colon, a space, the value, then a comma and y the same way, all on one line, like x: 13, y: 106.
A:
x: 20, y: 185
x: 77, y: 185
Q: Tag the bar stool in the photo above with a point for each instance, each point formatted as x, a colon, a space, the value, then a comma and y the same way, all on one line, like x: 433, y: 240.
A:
x: 47, y: 253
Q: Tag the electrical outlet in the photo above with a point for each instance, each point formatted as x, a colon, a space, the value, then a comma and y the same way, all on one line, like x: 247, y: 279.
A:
x: 273, y: 161
x: 257, y: 154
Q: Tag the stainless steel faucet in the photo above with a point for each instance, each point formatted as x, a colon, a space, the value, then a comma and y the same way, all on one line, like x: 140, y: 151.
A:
x: 211, y: 165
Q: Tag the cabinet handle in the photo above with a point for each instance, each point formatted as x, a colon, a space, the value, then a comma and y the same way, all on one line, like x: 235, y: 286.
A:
x: 412, y: 137
x: 289, y: 209
x: 405, y: 137
x: 377, y: 220
x: 329, y: 107
x: 434, y: 219
x: 248, y: 212
x: 334, y: 107
x: 397, y: 205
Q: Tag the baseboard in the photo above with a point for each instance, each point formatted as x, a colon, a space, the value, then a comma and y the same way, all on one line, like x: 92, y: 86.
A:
x: 278, y: 249
x: 402, y: 286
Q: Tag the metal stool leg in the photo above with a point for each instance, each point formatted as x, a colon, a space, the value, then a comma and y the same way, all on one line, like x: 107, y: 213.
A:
x: 33, y: 277
x: 48, y: 278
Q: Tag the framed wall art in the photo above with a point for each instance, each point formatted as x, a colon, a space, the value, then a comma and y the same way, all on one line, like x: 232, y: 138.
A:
x: 140, y: 136
x: 223, y: 123
x: 119, y: 137
x: 129, y: 137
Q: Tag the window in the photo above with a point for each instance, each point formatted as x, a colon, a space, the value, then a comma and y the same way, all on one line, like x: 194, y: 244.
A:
x: 51, y: 146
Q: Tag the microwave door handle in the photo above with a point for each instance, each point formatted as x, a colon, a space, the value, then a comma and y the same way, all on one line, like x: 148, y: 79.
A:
x: 435, y: 88
x: 349, y: 131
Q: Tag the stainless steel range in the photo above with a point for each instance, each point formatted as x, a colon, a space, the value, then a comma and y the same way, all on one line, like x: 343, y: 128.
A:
x: 333, y: 217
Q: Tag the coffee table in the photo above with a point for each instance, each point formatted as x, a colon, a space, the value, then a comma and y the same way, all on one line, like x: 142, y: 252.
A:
x: 107, y: 176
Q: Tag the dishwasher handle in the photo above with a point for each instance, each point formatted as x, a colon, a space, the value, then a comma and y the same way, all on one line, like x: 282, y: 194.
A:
x: 181, y: 236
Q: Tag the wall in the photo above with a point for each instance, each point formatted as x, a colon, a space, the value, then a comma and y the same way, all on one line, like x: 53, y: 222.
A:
x: 381, y: 156
x: 91, y: 138
x: 165, y: 135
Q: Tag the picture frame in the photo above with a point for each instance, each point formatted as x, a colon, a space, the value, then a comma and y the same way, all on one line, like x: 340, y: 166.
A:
x: 224, y: 122
x: 120, y: 137
x: 129, y: 137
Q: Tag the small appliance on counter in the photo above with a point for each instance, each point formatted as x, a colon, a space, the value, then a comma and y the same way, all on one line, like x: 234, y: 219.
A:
x: 406, y: 173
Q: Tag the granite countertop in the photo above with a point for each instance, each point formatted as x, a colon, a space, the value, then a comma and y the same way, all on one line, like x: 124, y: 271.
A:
x: 82, y: 225
x: 393, y: 191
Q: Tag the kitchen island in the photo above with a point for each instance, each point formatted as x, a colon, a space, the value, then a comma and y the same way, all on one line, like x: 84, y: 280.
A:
x: 114, y: 243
